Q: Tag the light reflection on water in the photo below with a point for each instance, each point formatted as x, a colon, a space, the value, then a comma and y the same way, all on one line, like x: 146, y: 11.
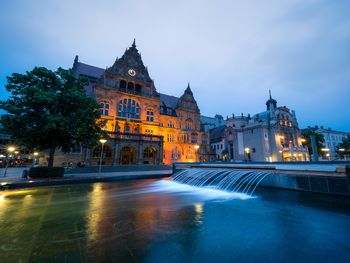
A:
x: 163, y: 221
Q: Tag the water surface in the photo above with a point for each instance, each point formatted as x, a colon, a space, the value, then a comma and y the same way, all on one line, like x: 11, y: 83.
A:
x: 162, y: 221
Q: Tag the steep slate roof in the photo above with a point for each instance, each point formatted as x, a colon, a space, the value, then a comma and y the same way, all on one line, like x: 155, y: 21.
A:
x: 87, y: 70
x: 217, y: 134
x: 168, y: 101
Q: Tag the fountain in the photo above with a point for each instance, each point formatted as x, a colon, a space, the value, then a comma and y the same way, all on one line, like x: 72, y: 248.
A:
x: 242, y: 181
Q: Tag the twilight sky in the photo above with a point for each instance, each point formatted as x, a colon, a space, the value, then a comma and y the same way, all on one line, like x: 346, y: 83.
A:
x: 231, y: 52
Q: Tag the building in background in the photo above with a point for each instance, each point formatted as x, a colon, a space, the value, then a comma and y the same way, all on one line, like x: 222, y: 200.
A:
x: 208, y: 123
x: 332, y: 139
x: 269, y: 136
x: 145, y: 126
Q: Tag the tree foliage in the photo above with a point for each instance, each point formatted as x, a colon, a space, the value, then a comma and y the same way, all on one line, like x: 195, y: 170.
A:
x: 319, y: 140
x: 344, y: 146
x: 50, y: 110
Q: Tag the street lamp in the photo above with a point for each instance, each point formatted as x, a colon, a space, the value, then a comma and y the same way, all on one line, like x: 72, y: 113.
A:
x: 102, y: 141
x: 281, y: 152
x: 247, y: 151
x: 196, y: 147
x: 10, y: 149
x: 35, y: 158
x: 326, y: 151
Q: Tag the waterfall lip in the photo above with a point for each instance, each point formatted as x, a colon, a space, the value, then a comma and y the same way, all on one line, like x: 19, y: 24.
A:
x: 207, y: 192
x: 225, y: 180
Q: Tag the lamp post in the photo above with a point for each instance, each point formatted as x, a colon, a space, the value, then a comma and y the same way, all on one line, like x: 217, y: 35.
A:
x: 326, y: 151
x: 102, y: 141
x: 281, y: 152
x: 196, y: 147
x: 10, y: 150
x: 247, y: 151
x: 35, y: 158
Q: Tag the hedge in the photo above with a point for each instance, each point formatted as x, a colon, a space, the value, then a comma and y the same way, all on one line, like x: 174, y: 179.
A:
x: 46, y: 172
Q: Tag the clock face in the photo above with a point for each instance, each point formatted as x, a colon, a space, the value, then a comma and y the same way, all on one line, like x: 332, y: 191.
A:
x: 132, y: 72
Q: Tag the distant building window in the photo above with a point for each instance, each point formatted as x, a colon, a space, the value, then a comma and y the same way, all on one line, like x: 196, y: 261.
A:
x: 170, y: 137
x: 147, y: 131
x: 104, y: 108
x: 194, y: 138
x: 150, y: 115
x: 189, y: 125
x: 171, y: 124
x: 128, y: 108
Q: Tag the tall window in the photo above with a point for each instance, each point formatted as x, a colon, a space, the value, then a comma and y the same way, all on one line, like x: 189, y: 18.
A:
x: 128, y: 108
x: 150, y: 115
x: 170, y: 137
x: 171, y: 124
x: 104, y: 108
x: 189, y: 125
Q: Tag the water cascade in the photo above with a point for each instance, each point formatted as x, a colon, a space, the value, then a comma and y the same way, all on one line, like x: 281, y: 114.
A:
x: 243, y: 181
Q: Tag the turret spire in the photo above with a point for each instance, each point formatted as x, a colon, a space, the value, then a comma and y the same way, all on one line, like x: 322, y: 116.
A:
x: 270, y: 94
x: 134, y: 43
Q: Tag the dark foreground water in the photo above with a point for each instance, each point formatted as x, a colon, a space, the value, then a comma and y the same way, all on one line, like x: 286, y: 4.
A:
x: 159, y: 221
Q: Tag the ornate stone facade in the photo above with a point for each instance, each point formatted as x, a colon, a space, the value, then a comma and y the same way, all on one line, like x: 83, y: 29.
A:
x: 146, y: 127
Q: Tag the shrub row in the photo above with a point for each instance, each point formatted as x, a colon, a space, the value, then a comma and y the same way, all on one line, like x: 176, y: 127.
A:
x: 46, y: 172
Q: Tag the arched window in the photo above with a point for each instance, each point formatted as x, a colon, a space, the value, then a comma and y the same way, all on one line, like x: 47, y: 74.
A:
x: 150, y: 115
x: 131, y: 86
x: 136, y: 130
x: 128, y: 108
x: 189, y: 153
x: 138, y: 88
x: 175, y: 154
x: 104, y: 108
x: 117, y: 128
x: 194, y: 137
x: 122, y: 84
x: 107, y: 151
x: 189, y: 125
x: 149, y: 152
x: 127, y: 129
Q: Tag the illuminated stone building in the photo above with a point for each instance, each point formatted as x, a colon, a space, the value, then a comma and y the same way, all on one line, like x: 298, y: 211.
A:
x: 146, y: 127
x: 269, y: 136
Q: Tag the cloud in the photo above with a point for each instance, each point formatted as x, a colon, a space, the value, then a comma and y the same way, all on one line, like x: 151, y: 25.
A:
x: 232, y: 52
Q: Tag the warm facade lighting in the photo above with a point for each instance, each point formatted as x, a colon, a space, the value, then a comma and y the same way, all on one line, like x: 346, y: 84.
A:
x: 36, y: 153
x: 341, y: 150
x: 325, y: 150
x: 247, y: 150
x: 196, y: 146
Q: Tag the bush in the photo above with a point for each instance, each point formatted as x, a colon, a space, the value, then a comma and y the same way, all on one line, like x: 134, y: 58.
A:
x: 46, y: 172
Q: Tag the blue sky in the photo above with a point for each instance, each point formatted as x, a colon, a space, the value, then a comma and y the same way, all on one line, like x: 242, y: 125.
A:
x: 232, y: 52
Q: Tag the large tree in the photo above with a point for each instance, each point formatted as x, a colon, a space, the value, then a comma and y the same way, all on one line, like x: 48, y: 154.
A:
x: 307, y: 133
x: 48, y: 110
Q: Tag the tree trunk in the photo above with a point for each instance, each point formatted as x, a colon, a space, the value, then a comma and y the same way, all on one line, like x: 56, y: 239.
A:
x: 51, y: 156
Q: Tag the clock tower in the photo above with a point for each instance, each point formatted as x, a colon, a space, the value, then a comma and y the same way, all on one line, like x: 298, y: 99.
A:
x: 129, y: 74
